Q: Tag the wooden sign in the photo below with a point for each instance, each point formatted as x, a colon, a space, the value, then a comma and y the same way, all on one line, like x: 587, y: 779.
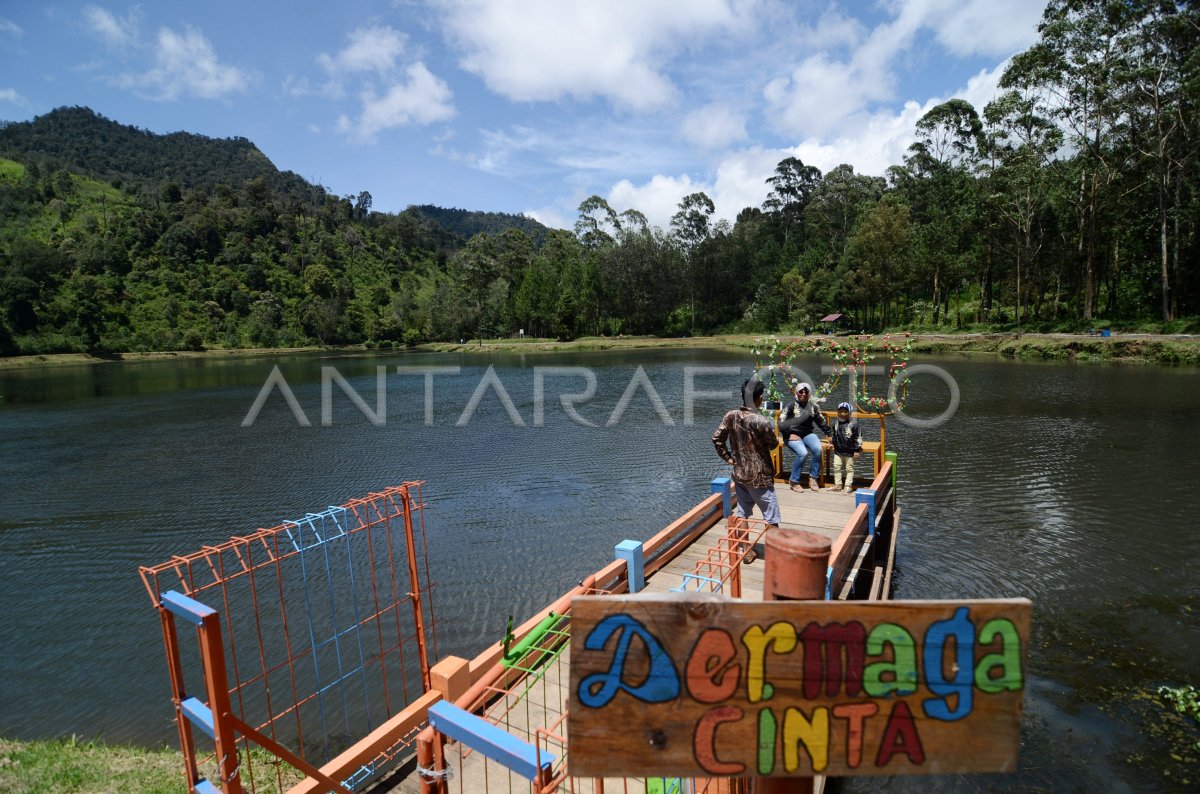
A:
x: 695, y: 685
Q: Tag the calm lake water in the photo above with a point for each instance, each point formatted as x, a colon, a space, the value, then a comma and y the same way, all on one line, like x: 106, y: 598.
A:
x: 1069, y: 485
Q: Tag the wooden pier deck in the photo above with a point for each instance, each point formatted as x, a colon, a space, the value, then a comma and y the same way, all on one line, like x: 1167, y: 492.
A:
x: 541, y: 701
x: 824, y: 512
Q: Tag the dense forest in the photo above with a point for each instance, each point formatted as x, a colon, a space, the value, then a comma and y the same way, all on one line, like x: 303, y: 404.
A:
x: 1068, y: 202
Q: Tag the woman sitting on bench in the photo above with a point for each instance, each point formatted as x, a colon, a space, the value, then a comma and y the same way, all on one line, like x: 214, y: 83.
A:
x: 796, y: 428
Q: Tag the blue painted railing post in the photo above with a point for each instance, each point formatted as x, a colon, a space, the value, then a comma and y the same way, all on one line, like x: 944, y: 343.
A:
x: 631, y: 552
x: 866, y: 496
x: 490, y: 740
x: 721, y: 485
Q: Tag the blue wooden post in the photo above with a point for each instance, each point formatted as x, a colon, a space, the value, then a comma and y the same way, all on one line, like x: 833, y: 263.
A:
x: 895, y: 459
x: 631, y: 552
x: 721, y: 485
x: 865, y: 496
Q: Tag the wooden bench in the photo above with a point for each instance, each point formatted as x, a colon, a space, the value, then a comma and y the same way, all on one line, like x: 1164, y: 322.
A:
x: 875, y: 448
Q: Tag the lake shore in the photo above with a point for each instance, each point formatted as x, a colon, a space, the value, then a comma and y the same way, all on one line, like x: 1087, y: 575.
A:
x: 1133, y: 348
x: 94, y: 767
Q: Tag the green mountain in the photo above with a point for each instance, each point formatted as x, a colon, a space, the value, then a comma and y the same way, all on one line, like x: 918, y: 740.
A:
x: 82, y: 141
x: 468, y: 223
x: 114, y: 238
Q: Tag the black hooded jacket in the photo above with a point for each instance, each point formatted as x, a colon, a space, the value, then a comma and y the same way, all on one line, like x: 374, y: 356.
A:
x: 799, y: 419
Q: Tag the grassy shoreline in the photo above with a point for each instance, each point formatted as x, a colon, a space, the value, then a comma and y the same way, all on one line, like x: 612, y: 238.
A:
x: 1134, y: 348
x: 92, y: 767
x: 87, y: 767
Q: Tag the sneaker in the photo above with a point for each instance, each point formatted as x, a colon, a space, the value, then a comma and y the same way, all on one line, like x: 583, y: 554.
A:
x: 836, y: 488
x: 813, y: 484
x: 795, y: 486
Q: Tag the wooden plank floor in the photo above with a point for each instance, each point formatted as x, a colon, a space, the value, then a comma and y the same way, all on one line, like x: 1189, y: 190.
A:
x: 824, y: 512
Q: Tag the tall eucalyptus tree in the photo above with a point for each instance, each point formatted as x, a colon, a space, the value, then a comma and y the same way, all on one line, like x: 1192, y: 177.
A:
x: 835, y: 206
x: 689, y: 227
x: 1158, y: 67
x: 942, y: 194
x: 1021, y: 141
x: 1074, y: 67
x: 791, y: 187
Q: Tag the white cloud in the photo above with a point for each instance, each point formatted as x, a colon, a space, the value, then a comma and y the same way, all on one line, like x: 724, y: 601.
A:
x: 500, y: 147
x: 118, y: 34
x: 983, y: 27
x: 713, y: 126
x: 742, y: 180
x: 551, y: 217
x: 657, y: 199
x: 982, y: 88
x: 833, y: 31
x: 9, y: 95
x: 296, y: 86
x: 395, y: 94
x: 821, y: 94
x: 825, y: 95
x: 881, y: 142
x: 186, y: 65
x: 10, y: 28
x: 544, y: 50
x: 422, y: 98
x: 370, y: 50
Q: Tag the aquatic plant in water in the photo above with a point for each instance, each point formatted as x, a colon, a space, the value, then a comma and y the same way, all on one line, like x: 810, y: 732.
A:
x: 1184, y: 699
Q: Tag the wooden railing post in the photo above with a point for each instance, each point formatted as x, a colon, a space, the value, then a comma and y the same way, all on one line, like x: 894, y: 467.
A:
x: 212, y: 653
x: 721, y: 485
x: 187, y: 744
x: 635, y: 569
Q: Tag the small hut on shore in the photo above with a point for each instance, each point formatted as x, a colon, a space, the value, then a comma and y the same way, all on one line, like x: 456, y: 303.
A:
x: 832, y: 323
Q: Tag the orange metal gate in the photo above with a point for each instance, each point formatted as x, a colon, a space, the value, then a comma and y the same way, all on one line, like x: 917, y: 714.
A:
x: 305, y: 636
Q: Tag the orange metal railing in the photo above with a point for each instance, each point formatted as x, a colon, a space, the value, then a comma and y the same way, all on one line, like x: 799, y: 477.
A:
x: 306, y: 633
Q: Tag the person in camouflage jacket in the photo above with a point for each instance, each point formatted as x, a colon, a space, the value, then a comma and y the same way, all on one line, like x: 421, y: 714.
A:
x: 745, y: 439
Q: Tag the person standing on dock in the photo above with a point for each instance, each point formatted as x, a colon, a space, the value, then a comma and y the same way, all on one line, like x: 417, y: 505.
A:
x: 751, y: 439
x: 847, y: 447
x: 797, y: 431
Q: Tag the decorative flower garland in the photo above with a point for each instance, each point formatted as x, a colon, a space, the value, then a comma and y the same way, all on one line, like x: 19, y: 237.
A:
x: 772, y: 355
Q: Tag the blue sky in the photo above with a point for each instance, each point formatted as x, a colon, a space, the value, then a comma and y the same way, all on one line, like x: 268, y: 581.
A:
x: 525, y: 106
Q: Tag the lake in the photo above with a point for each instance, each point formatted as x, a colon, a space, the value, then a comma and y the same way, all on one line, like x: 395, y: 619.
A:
x: 1067, y: 484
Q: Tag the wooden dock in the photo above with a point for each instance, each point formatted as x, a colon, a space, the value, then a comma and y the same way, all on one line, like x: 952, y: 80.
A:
x: 823, y: 512
x: 540, y: 701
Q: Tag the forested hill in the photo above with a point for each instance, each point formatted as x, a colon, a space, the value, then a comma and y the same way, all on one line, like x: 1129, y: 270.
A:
x: 114, y: 238
x: 467, y: 223
x: 80, y: 140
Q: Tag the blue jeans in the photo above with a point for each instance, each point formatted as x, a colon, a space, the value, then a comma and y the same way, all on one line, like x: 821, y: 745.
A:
x: 807, y: 447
